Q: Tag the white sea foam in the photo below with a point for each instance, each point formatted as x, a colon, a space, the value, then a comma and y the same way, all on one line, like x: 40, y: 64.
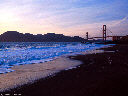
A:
x: 27, y: 53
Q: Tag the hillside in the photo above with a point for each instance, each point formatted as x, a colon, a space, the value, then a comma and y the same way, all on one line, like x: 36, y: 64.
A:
x: 14, y: 36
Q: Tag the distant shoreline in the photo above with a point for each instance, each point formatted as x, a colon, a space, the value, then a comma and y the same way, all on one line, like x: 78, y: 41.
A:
x: 14, y: 36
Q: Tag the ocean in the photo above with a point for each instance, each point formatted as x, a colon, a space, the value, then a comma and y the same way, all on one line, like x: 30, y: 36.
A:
x: 19, y: 53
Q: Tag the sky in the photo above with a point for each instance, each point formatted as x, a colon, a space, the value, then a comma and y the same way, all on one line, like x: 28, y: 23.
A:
x: 68, y: 17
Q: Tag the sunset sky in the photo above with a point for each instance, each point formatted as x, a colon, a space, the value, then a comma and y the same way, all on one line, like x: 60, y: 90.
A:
x: 68, y: 17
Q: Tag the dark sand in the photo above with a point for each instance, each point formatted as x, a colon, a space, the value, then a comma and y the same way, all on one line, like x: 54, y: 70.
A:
x: 101, y: 74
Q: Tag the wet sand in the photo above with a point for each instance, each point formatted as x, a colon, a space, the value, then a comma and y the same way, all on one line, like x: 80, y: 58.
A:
x: 28, y: 73
x: 100, y: 74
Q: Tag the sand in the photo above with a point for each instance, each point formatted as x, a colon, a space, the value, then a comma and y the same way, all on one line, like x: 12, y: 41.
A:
x: 27, y: 73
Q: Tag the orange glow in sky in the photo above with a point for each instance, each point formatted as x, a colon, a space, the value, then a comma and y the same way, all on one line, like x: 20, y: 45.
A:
x: 68, y: 17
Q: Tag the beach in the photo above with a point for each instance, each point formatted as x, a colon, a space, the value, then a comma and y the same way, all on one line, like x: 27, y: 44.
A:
x: 28, y: 73
x: 64, y: 48
x: 100, y: 74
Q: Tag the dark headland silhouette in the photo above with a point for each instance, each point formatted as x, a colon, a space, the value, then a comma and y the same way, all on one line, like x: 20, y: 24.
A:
x: 14, y: 36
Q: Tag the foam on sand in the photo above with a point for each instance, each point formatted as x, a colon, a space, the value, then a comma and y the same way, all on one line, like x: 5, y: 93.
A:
x: 20, y: 53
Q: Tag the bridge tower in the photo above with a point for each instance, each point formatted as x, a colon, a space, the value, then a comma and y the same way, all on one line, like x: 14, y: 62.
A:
x: 87, y: 35
x: 104, y: 33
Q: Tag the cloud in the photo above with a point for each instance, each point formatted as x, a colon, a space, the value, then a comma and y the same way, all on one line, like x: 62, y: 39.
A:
x: 71, y: 17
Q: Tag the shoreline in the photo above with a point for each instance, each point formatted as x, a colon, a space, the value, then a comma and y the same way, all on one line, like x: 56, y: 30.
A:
x: 28, y: 73
x: 5, y: 68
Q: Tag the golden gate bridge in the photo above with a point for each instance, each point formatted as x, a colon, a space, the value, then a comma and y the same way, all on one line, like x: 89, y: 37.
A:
x: 104, y: 36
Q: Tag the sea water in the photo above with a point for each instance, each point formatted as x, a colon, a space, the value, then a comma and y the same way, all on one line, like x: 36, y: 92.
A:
x: 18, y: 53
